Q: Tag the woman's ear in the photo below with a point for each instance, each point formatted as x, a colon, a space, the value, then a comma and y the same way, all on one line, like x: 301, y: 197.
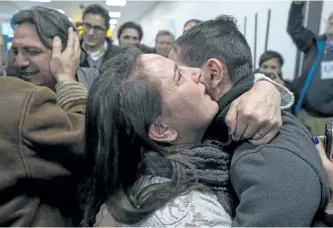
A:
x: 162, y: 133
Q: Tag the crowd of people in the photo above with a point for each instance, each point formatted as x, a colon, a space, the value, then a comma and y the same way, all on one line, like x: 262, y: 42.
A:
x: 187, y: 133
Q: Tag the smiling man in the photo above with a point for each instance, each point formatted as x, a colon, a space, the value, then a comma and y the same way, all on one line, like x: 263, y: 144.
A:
x: 32, y: 46
x: 281, y: 183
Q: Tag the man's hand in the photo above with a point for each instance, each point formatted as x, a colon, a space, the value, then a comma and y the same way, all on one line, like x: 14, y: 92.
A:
x: 64, y: 64
x: 256, y: 115
x: 327, y: 164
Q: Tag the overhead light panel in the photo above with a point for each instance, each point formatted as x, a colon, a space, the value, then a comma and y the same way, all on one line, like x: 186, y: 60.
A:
x: 112, y: 26
x: 113, y: 21
x: 40, y: 0
x: 114, y: 14
x: 116, y: 2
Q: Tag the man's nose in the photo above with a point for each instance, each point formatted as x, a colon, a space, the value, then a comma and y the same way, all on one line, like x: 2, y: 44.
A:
x: 91, y: 32
x: 21, y: 61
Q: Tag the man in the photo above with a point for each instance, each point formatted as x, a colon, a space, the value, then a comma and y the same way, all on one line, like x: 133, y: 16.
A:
x: 313, y: 107
x: 129, y: 33
x: 40, y: 133
x: 163, y: 42
x: 32, y: 46
x: 95, y: 43
x: 278, y: 184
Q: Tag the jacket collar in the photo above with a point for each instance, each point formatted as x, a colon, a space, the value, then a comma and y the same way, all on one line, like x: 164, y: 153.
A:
x: 218, y: 129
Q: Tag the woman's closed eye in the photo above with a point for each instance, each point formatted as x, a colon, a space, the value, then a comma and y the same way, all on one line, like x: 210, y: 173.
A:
x: 180, y: 78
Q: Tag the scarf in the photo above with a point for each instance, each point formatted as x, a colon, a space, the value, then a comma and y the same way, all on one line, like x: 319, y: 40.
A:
x: 211, y: 169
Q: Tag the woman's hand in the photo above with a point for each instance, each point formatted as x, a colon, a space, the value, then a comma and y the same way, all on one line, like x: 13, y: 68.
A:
x: 256, y: 115
x: 328, y: 165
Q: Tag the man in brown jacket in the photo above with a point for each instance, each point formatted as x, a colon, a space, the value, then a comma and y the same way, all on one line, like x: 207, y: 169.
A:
x: 41, y: 141
x: 32, y: 47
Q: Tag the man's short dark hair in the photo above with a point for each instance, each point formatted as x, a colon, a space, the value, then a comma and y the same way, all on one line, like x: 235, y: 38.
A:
x: 132, y: 25
x: 220, y: 39
x: 197, y: 21
x: 267, y: 55
x: 164, y: 33
x: 97, y: 9
x: 49, y: 23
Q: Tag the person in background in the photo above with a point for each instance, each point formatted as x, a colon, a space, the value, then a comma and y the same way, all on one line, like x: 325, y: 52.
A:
x: 163, y: 42
x: 313, y: 106
x: 270, y: 64
x: 41, y: 134
x: 129, y: 33
x: 280, y: 183
x: 190, y: 23
x: 97, y: 46
x: 32, y: 46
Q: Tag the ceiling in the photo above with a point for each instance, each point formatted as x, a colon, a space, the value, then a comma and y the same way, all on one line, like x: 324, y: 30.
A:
x: 132, y: 11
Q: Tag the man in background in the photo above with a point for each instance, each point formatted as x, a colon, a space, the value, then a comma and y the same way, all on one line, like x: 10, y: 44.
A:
x: 314, y: 101
x: 129, y: 33
x: 163, y: 42
x: 95, y: 43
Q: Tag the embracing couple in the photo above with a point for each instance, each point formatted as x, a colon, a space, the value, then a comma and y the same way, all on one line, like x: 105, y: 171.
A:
x: 164, y: 149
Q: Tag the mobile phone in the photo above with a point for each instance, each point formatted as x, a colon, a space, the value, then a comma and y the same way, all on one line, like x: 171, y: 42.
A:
x: 328, y: 140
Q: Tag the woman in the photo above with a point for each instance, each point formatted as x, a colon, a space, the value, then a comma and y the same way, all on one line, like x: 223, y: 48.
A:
x: 144, y: 117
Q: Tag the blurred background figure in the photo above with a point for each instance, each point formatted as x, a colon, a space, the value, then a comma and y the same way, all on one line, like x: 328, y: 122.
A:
x: 270, y: 64
x: 314, y: 100
x: 129, y: 33
x: 164, y: 41
x: 190, y: 23
x: 95, y: 43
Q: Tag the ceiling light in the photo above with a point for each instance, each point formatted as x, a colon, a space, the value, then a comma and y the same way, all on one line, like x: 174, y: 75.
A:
x: 40, y: 0
x: 114, y: 14
x: 116, y: 2
x: 112, y: 26
x: 113, y: 21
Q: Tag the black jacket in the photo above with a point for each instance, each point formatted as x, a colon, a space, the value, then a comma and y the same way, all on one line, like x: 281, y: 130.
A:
x: 281, y: 183
x: 111, y: 51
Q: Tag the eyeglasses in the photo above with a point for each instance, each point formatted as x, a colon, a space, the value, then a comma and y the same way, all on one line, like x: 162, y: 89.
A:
x: 97, y: 29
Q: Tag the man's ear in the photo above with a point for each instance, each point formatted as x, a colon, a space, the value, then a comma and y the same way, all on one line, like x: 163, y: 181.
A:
x: 216, y: 71
x: 162, y: 133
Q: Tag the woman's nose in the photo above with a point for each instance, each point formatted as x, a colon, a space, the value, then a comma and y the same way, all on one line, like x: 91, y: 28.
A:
x: 196, y: 74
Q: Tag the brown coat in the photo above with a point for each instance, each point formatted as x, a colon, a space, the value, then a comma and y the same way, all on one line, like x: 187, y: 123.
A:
x: 39, y: 153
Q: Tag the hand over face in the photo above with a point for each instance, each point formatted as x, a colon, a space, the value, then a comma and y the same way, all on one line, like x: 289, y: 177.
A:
x: 64, y: 64
x: 256, y: 115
